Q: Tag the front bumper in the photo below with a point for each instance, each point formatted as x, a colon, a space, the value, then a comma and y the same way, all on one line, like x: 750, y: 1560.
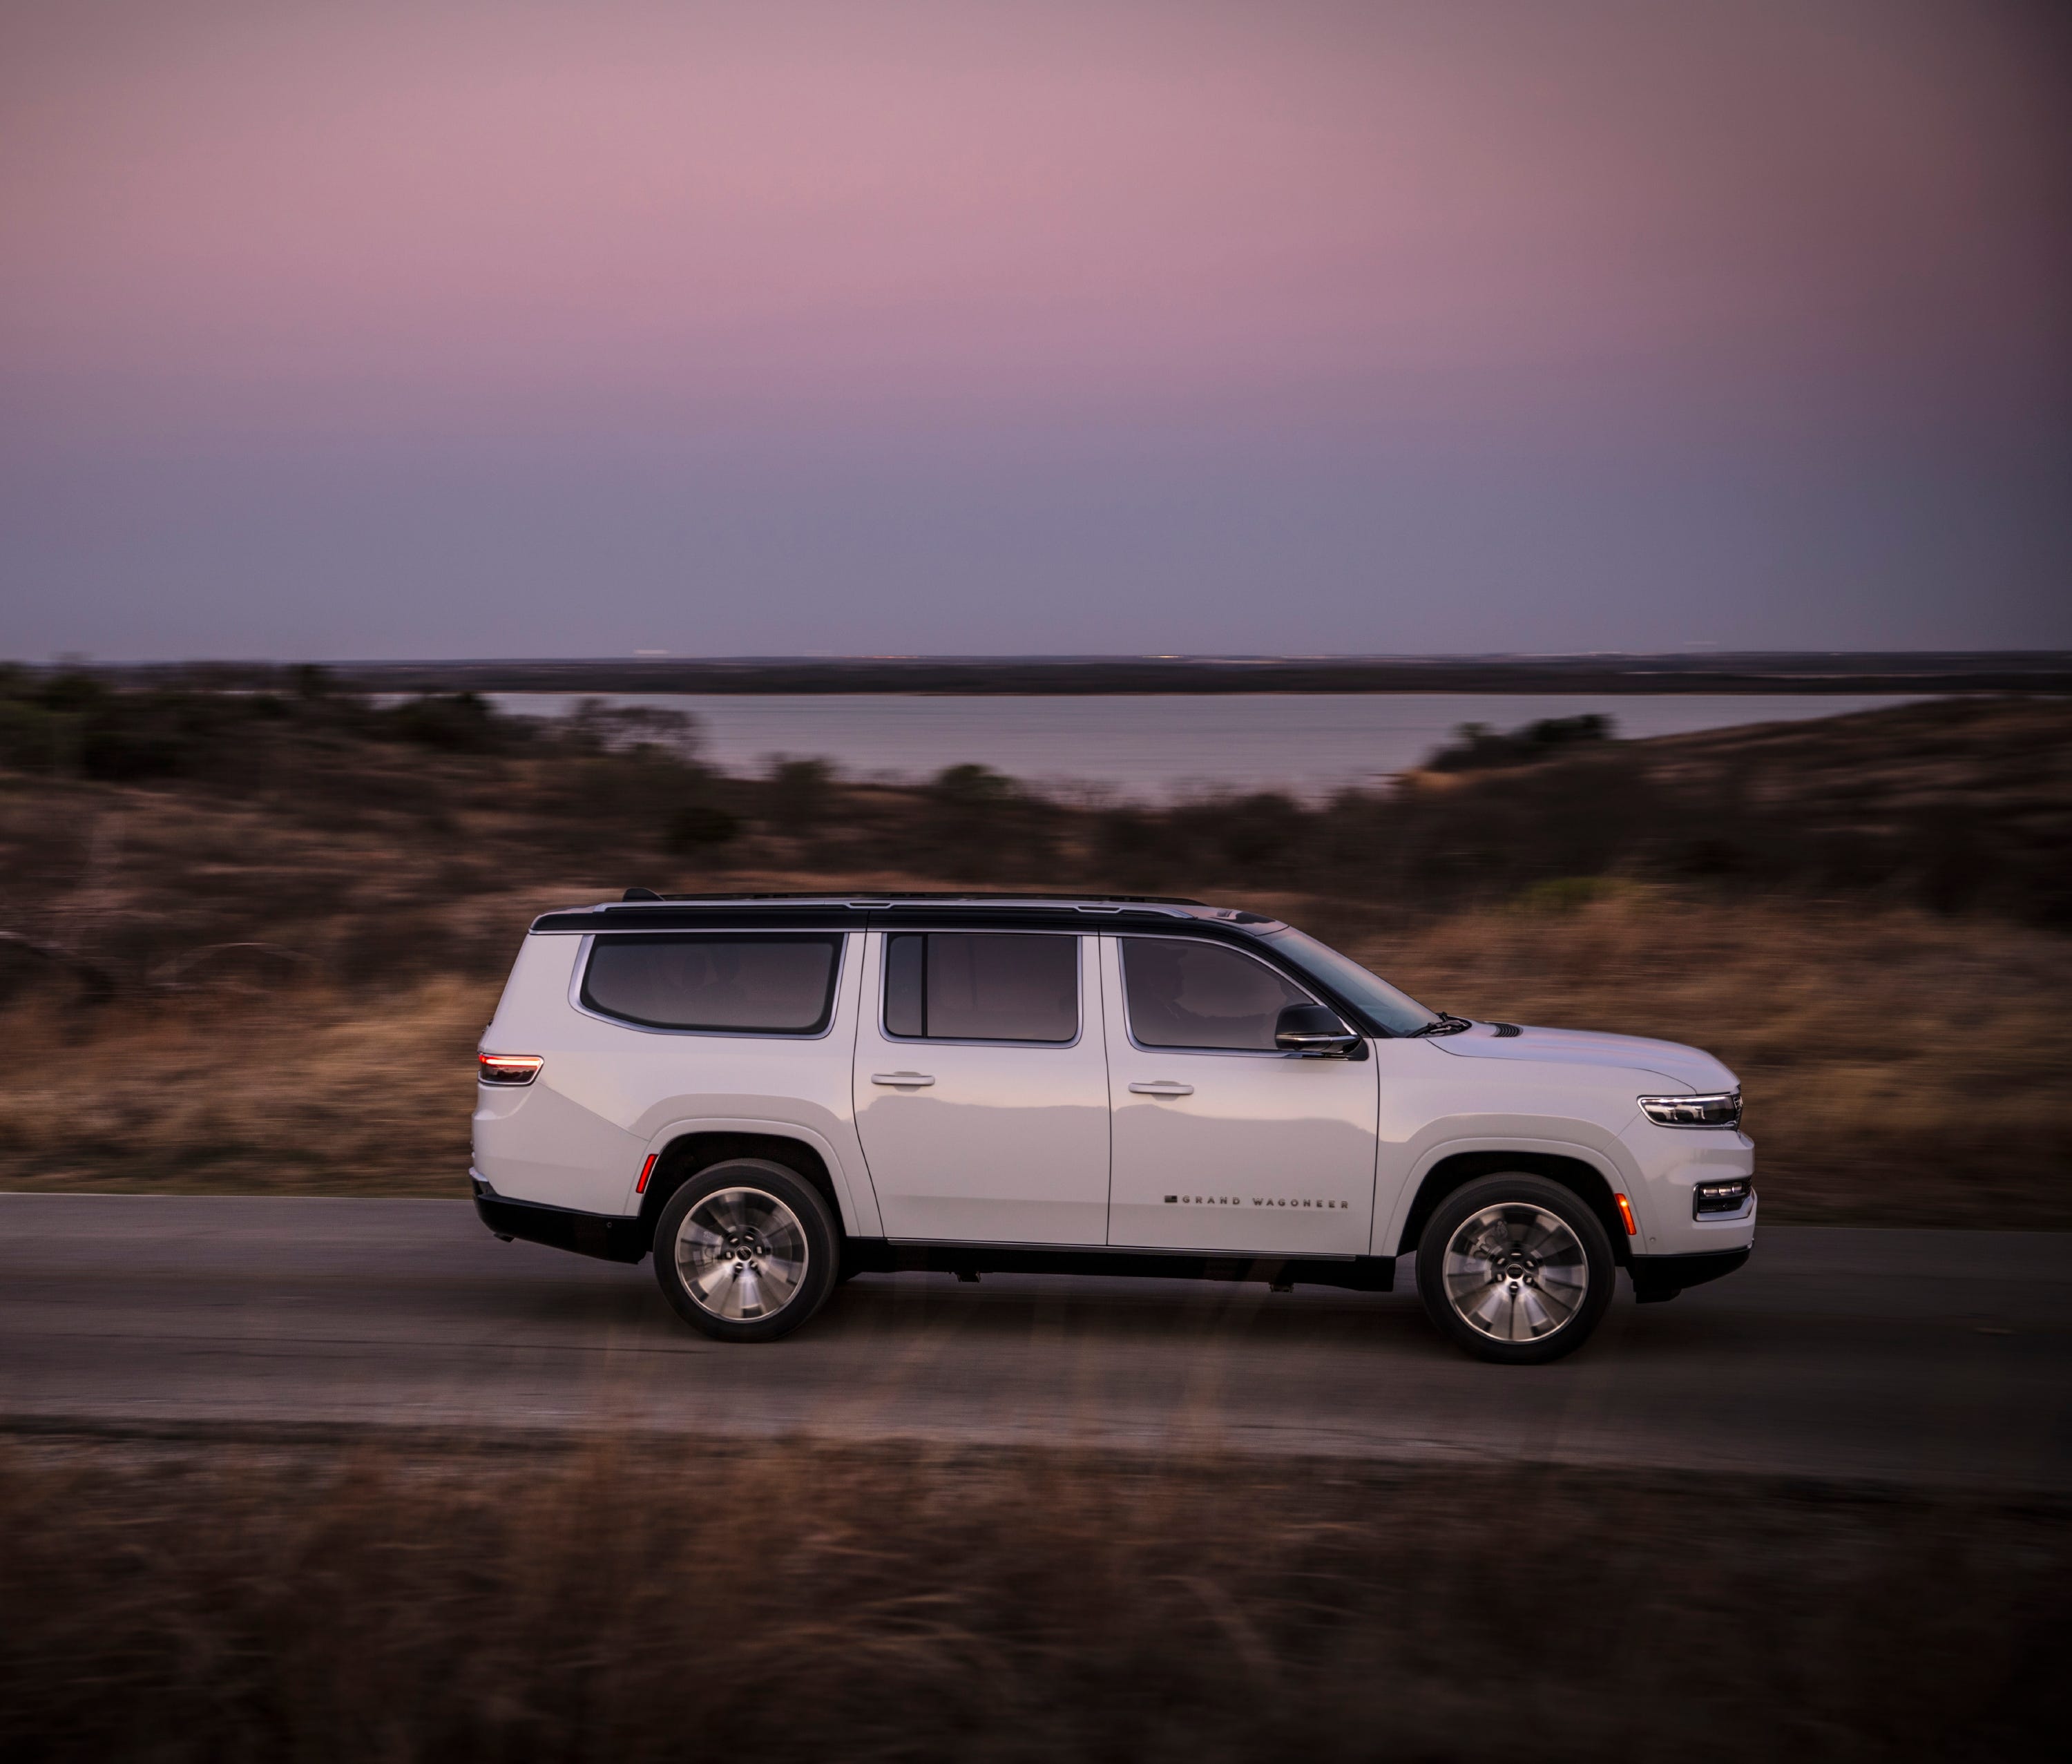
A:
x: 609, y: 1239
x: 1657, y: 1279
x: 1671, y: 1162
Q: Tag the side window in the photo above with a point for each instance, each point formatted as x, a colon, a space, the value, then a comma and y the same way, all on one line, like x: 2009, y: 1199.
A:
x: 772, y: 984
x: 982, y: 985
x: 1184, y: 994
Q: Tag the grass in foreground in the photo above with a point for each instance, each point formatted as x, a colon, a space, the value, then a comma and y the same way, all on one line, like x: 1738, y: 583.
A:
x: 783, y: 1601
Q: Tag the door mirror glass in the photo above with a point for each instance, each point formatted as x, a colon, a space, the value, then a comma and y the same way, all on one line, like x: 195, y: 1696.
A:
x: 1312, y: 1029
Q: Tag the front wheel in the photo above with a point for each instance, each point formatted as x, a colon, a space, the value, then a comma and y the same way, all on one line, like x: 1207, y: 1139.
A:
x: 745, y: 1251
x: 1515, y: 1268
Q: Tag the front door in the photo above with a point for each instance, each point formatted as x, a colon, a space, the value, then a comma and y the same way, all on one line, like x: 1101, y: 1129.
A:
x: 981, y: 1086
x: 1221, y: 1141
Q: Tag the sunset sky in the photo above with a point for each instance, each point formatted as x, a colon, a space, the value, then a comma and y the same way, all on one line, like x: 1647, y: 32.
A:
x: 451, y: 328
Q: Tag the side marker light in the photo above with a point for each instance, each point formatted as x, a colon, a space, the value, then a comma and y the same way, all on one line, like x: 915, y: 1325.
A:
x: 647, y: 1170
x: 1625, y: 1215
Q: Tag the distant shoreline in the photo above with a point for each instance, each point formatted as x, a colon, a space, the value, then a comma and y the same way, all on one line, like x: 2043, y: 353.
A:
x: 1867, y: 672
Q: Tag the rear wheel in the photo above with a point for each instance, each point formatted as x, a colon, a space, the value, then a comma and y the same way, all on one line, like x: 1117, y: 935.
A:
x: 1515, y: 1268
x: 745, y: 1251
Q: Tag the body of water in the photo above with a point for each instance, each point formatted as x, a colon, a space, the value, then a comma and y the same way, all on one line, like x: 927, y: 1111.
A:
x: 1158, y: 747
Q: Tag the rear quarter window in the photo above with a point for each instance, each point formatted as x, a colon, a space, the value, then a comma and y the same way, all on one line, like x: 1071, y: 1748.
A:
x: 749, y: 983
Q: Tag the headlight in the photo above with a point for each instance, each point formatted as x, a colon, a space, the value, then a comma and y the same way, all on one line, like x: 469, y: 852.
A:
x: 1722, y: 1109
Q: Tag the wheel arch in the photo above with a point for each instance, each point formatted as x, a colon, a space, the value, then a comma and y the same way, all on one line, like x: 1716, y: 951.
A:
x: 1574, y: 1169
x: 696, y: 1148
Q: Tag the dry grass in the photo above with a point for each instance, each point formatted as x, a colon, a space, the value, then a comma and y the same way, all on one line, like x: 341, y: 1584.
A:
x: 307, y: 1092
x: 787, y: 1602
x: 1902, y: 1069
x: 1905, y: 1066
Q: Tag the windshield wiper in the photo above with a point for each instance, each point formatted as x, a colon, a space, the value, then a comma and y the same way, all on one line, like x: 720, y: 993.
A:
x: 1447, y: 1024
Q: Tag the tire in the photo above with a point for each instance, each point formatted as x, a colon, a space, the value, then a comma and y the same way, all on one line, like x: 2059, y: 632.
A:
x: 1515, y: 1268
x: 745, y: 1251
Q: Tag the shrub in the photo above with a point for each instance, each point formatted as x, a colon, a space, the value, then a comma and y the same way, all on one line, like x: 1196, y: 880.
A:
x: 1264, y: 835
x: 1563, y: 893
x: 798, y: 794
x: 701, y: 827
x: 462, y: 722
x: 1477, y: 747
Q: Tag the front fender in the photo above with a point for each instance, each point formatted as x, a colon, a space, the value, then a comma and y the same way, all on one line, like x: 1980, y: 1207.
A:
x: 1586, y: 1142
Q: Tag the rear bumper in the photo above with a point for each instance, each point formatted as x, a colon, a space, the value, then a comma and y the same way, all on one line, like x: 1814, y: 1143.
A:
x: 1656, y: 1278
x: 559, y: 1227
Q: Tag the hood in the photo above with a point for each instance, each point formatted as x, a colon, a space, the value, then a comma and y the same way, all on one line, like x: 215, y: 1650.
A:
x: 1683, y: 1068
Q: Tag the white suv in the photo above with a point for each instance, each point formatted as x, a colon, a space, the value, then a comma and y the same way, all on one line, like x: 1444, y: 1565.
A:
x: 776, y: 1092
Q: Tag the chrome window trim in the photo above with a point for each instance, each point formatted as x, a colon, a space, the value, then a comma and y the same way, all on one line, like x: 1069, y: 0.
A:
x: 1078, y: 990
x: 1129, y: 1028
x: 580, y: 972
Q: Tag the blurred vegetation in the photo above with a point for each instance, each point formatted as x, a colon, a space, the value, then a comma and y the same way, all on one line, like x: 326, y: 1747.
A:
x: 1867, y: 916
x: 1477, y: 747
x: 421, y: 1599
x: 1958, y: 805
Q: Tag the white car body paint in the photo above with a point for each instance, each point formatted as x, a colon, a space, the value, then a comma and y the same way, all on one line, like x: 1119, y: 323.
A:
x: 1025, y: 1144
x: 1006, y: 1143
x: 1260, y: 1153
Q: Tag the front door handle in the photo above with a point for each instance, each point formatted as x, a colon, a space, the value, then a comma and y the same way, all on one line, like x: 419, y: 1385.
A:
x: 903, y: 1080
x: 1163, y: 1087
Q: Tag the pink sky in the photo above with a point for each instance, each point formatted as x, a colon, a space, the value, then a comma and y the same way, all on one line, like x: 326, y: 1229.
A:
x: 825, y: 226
x: 454, y: 213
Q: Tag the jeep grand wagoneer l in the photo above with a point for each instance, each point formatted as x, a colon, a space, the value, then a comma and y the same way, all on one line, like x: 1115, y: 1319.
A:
x: 774, y: 1093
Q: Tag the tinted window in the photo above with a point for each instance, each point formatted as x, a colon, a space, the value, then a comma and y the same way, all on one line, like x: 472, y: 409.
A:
x: 992, y: 986
x: 1384, y: 1007
x: 906, y: 969
x: 766, y: 984
x: 1197, y: 995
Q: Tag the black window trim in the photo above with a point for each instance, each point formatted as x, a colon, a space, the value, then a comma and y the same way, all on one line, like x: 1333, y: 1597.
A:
x: 831, y: 1012
x: 887, y: 932
x: 1301, y: 983
x: 1124, y: 922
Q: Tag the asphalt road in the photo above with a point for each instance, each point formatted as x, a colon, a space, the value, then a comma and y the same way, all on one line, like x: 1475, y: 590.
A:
x: 1925, y: 1357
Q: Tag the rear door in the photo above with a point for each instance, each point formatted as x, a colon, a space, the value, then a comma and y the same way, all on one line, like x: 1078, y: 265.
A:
x: 981, y: 1086
x: 1221, y: 1140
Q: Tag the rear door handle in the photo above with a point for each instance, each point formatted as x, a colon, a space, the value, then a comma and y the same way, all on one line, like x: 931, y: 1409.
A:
x: 1163, y: 1087
x: 903, y: 1080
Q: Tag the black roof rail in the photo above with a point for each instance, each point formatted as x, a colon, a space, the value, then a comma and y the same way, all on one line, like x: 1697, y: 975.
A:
x: 920, y: 893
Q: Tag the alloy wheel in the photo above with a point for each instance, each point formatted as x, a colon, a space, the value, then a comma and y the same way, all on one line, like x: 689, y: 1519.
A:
x: 741, y: 1253
x: 1515, y: 1273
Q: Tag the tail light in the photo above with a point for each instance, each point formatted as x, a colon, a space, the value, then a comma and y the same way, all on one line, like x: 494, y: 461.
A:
x: 508, y: 1068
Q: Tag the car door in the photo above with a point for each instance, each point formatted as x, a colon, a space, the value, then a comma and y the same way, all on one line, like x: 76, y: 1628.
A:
x: 981, y: 1086
x: 1221, y: 1140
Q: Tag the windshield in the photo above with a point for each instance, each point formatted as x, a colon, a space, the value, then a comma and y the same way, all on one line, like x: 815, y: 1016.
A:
x: 1384, y: 1007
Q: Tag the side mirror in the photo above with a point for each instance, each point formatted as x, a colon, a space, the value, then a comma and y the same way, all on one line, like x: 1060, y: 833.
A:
x: 1313, y: 1030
